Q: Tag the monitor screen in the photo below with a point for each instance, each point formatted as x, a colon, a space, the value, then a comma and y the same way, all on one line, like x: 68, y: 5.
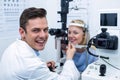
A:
x: 108, y: 19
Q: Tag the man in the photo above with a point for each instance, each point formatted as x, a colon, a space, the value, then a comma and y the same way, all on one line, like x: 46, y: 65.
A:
x: 20, y: 60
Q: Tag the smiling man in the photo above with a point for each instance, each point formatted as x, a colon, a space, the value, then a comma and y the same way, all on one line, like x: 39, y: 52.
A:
x: 20, y: 60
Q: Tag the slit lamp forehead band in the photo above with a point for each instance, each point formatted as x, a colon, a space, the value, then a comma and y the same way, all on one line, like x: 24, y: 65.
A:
x: 76, y: 24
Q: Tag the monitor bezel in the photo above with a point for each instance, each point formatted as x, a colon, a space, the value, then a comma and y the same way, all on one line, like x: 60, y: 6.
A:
x: 108, y: 11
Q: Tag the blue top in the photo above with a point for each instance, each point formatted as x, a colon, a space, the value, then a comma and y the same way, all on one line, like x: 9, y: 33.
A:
x: 36, y: 52
x: 82, y: 60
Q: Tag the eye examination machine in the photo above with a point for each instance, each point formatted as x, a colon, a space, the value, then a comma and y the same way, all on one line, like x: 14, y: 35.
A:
x: 107, y: 43
x: 105, y: 37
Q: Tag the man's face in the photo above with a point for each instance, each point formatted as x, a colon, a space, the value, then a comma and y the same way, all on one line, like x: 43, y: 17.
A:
x: 36, y: 34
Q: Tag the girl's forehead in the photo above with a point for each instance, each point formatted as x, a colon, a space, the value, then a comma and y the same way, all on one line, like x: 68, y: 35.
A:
x: 75, y: 28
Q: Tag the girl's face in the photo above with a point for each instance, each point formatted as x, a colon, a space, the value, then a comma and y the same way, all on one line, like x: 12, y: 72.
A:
x: 75, y: 35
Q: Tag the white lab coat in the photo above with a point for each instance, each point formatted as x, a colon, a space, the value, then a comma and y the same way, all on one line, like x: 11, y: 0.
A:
x: 19, y: 62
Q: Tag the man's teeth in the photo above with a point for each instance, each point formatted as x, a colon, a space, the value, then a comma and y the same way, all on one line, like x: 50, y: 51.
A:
x: 41, y: 41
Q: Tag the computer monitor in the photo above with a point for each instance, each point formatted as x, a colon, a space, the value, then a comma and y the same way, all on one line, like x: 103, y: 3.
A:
x: 109, y: 18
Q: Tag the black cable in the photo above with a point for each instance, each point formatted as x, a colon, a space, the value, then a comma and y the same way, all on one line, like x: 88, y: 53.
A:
x: 111, y: 64
x: 89, y: 45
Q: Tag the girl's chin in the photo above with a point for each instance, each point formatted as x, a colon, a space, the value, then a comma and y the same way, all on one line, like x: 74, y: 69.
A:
x: 74, y: 43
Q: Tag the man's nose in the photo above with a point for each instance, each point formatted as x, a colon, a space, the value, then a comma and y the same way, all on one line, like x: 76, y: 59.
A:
x: 42, y: 34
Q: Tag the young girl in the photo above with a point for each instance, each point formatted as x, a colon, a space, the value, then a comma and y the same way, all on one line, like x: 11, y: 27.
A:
x: 78, y: 35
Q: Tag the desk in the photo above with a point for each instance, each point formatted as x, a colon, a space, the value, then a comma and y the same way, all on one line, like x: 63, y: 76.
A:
x: 92, y: 73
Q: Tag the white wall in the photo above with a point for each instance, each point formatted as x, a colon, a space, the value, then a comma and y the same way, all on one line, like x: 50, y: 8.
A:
x: 9, y: 16
x: 94, y: 8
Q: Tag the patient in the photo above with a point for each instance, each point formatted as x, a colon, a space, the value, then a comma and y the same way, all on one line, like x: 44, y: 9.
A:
x: 78, y: 35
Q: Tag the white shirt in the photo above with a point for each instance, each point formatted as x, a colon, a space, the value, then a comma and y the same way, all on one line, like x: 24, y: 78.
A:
x: 19, y: 62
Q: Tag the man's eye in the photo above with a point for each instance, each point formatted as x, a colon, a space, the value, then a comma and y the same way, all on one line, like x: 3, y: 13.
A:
x: 46, y: 30
x: 35, y: 30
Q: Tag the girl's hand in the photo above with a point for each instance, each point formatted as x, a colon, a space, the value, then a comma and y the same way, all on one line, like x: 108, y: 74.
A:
x: 70, y: 51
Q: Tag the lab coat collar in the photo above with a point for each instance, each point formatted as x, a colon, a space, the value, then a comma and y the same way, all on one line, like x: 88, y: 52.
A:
x: 36, y: 52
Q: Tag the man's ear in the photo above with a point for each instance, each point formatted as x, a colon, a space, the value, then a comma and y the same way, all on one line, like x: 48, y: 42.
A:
x: 22, y: 32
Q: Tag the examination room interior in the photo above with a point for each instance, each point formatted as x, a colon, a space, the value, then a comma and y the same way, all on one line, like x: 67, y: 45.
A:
x: 88, y: 10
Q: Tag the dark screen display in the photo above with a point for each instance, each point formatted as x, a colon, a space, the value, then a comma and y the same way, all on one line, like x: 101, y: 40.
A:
x: 108, y: 19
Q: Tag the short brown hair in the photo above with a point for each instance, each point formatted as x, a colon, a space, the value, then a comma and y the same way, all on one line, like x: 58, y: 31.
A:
x: 31, y: 13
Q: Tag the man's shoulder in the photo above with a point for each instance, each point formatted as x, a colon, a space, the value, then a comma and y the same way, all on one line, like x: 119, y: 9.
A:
x: 17, y: 45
